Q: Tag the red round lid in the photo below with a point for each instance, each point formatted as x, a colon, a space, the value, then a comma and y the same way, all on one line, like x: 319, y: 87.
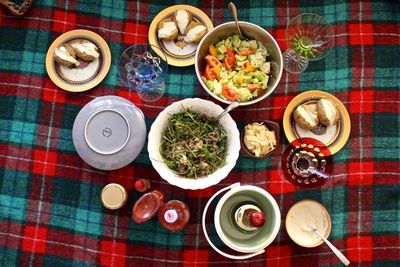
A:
x: 174, y: 215
x: 147, y: 206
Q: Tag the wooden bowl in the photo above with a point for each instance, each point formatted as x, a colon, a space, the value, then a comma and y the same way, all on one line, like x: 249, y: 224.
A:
x: 272, y: 126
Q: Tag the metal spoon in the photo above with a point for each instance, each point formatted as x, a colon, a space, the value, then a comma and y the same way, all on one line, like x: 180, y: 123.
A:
x: 233, y: 10
x: 231, y: 106
x: 337, y: 252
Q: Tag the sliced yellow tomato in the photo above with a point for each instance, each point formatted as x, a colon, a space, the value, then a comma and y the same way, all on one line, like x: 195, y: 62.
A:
x: 249, y: 68
x: 239, y: 79
x: 217, y: 70
x: 212, y: 50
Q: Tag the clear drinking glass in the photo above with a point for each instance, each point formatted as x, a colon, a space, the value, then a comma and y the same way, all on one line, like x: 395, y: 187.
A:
x: 309, y: 37
x: 143, y: 68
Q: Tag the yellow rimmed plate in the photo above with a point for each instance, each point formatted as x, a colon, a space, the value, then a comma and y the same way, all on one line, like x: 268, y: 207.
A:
x: 334, y: 136
x: 178, y: 53
x: 79, y: 79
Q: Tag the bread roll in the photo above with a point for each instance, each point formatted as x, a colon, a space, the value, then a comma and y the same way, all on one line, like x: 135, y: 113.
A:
x: 182, y: 19
x: 167, y: 29
x: 327, y: 112
x: 64, y: 56
x: 85, y: 50
x: 306, y: 117
x: 194, y: 32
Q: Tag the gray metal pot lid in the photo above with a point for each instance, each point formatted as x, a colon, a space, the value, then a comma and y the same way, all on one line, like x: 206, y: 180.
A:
x: 109, y: 132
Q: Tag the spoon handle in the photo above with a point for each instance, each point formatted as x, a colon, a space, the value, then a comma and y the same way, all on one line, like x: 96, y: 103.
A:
x: 337, y: 252
x: 233, y: 10
x: 231, y: 106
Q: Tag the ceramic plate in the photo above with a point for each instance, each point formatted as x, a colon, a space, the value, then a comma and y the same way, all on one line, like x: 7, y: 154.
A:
x: 178, y: 52
x: 334, y: 136
x: 79, y: 79
x: 109, y: 132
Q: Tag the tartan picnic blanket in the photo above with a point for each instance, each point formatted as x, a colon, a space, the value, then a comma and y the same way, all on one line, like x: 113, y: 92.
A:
x: 50, y: 209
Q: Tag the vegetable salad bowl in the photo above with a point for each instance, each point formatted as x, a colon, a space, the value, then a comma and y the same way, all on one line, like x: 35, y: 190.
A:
x: 211, y: 110
x: 253, y: 32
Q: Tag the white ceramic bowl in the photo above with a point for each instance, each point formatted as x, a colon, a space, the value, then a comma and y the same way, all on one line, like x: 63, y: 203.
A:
x: 160, y: 124
x: 254, y: 32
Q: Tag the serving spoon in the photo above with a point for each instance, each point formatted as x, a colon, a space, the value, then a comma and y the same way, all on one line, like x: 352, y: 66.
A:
x: 233, y: 10
x: 342, y: 258
x: 230, y: 107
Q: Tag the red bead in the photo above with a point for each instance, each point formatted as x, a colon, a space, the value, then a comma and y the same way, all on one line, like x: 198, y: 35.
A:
x: 257, y: 219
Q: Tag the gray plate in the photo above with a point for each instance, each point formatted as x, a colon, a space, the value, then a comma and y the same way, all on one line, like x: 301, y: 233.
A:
x: 109, y: 132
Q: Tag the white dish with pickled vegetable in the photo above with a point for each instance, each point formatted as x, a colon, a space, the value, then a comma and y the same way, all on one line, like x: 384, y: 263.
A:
x: 200, y: 156
x: 231, y: 68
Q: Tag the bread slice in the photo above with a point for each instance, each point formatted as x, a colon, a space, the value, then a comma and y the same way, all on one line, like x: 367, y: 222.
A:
x: 167, y: 29
x: 194, y: 32
x: 182, y: 19
x: 65, y: 55
x: 85, y: 50
x: 327, y: 112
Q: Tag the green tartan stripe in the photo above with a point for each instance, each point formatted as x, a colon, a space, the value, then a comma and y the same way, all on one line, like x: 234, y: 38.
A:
x: 50, y: 260
x: 75, y: 219
x: 18, y: 133
x: 385, y: 223
x: 152, y: 233
x: 108, y: 9
x: 13, y: 208
x: 382, y: 14
x: 10, y: 256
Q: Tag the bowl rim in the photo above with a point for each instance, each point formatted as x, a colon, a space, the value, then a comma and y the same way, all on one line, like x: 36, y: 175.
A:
x: 256, y: 100
x: 275, y: 229
x: 191, y: 183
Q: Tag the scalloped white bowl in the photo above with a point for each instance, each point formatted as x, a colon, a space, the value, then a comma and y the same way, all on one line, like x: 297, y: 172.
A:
x: 160, y: 124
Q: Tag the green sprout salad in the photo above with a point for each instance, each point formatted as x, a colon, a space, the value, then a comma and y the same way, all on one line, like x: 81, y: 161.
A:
x: 193, y: 145
x: 237, y: 69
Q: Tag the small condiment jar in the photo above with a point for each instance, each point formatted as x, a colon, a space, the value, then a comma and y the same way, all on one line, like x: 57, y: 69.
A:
x: 142, y: 185
x: 249, y: 217
x: 147, y: 206
x: 114, y: 196
x: 174, y: 216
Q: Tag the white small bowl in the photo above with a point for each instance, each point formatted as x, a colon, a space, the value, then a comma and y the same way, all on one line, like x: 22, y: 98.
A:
x: 160, y: 125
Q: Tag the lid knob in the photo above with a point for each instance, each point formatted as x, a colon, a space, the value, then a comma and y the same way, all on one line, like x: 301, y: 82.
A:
x: 257, y: 219
x: 249, y: 217
x: 170, y: 216
x: 174, y: 215
x: 142, y: 185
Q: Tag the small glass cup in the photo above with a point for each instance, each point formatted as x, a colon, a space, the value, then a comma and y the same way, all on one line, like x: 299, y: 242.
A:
x: 309, y: 37
x: 143, y: 68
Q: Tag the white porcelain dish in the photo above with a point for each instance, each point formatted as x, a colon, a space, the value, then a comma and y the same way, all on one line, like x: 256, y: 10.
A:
x: 109, y: 132
x: 160, y: 124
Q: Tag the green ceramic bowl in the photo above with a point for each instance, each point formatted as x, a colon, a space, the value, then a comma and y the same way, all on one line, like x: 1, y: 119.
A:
x: 247, y: 242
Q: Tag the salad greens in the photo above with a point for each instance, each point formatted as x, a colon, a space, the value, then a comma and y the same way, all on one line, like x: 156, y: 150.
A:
x: 193, y: 145
x: 237, y: 69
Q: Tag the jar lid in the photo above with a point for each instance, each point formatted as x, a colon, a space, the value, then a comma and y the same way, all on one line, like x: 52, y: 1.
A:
x: 147, y: 206
x: 113, y: 196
